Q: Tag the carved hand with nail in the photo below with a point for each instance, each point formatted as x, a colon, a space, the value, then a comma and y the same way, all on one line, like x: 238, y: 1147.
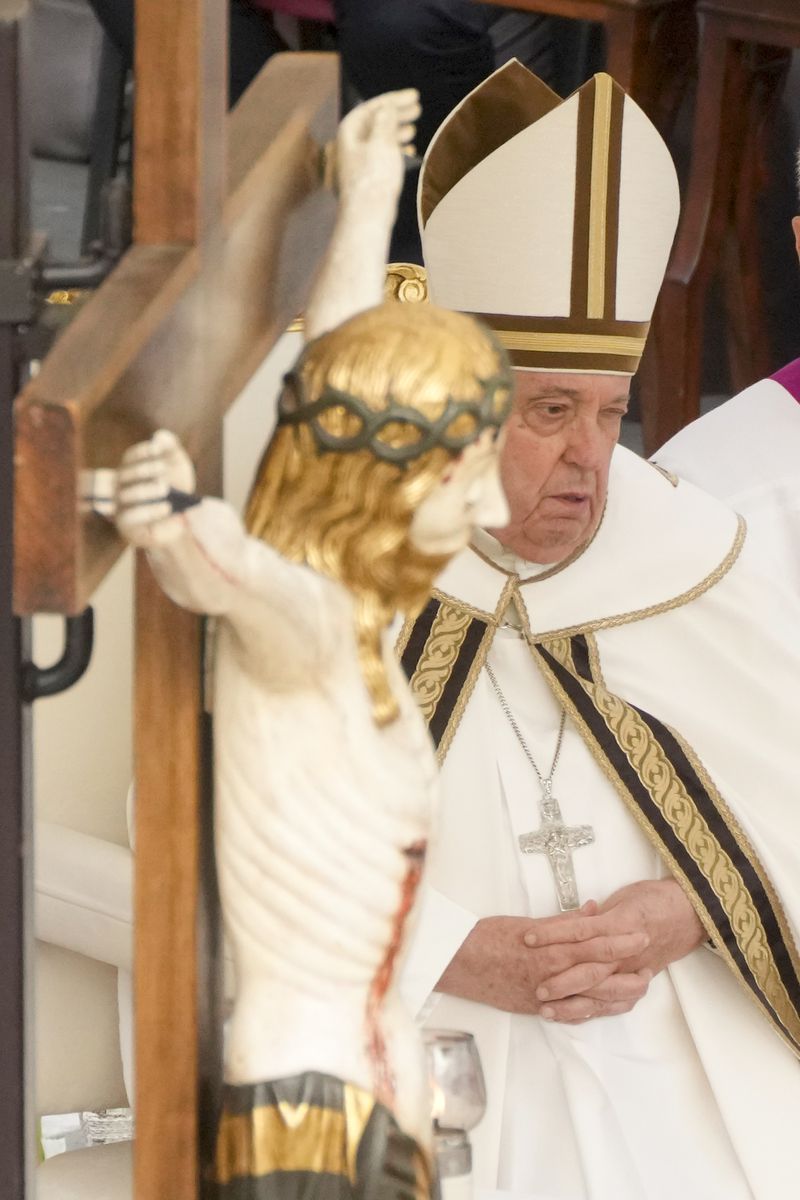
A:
x: 155, y: 483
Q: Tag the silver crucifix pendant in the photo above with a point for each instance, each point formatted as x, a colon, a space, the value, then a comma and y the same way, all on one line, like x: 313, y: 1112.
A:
x: 557, y: 841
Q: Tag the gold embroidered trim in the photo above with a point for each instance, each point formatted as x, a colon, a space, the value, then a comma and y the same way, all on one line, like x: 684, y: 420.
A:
x: 668, y: 475
x: 601, y: 139
x: 438, y: 657
x: 642, y: 750
x: 406, y: 282
x: 446, y: 637
x: 668, y: 793
x: 464, y: 696
x: 404, y: 635
x: 653, y: 610
x: 594, y: 659
x: 572, y: 343
x: 746, y: 847
x: 446, y: 598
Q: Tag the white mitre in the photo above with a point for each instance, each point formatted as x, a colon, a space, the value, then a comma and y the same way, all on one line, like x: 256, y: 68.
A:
x: 551, y: 219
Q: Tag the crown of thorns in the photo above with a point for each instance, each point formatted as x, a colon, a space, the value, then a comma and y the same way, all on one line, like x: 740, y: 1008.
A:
x: 486, y: 412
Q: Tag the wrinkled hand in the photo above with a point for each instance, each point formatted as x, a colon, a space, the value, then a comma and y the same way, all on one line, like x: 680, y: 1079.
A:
x: 655, y: 909
x: 370, y: 145
x: 495, y: 966
x: 147, y: 473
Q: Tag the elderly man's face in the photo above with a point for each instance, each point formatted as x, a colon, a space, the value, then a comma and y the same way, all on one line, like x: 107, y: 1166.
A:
x: 555, y: 461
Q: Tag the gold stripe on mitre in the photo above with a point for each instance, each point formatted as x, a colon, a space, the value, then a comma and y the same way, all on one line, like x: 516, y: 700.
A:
x: 598, y: 206
x: 601, y: 104
x: 570, y: 343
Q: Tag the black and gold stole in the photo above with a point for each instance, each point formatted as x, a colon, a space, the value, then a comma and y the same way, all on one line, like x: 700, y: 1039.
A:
x: 656, y: 775
x: 442, y: 653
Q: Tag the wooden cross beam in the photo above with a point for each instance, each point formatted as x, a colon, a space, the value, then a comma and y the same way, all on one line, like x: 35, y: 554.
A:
x: 229, y: 225
x: 179, y: 327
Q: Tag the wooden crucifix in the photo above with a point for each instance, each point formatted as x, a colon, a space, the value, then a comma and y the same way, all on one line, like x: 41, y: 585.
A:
x: 229, y: 225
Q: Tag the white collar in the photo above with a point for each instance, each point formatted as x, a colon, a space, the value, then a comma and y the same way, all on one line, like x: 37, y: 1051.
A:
x: 658, y: 546
x: 488, y: 545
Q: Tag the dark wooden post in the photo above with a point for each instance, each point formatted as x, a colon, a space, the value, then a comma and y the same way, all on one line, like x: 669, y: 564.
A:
x: 16, y: 1110
x: 180, y: 185
x: 17, y: 1135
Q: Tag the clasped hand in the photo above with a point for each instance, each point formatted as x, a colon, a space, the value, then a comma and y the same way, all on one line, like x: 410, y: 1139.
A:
x: 598, y: 961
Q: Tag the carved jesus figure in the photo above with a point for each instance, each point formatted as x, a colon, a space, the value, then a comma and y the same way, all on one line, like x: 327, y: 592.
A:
x: 384, y: 457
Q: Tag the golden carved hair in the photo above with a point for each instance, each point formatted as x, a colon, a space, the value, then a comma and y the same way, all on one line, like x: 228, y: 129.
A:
x: 347, y: 514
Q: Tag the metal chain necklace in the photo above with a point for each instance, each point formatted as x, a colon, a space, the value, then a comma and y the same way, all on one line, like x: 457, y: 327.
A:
x: 553, y: 838
x: 546, y: 783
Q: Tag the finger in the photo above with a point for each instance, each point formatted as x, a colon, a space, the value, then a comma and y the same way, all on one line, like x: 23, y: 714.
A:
x: 164, y: 442
x: 409, y: 111
x: 585, y: 964
x: 97, y: 488
x: 580, y: 927
x: 104, y: 506
x: 145, y: 492
x: 402, y: 97
x: 606, y: 1010
x: 401, y: 107
x: 143, y: 468
x: 406, y: 133
x: 383, y: 124
x: 577, y: 1009
x: 406, y: 100
x: 580, y: 979
x: 129, y: 520
x: 622, y: 986
x: 141, y: 451
x: 611, y: 948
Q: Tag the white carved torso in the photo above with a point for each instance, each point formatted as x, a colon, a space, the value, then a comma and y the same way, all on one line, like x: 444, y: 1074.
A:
x: 316, y: 808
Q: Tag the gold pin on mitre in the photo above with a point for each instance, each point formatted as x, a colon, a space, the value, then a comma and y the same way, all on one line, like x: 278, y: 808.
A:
x: 551, y: 219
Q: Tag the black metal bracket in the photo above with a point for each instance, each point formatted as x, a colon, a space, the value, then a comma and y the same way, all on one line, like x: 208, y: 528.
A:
x: 18, y: 300
x: 115, y: 230
x: 37, y: 681
x: 25, y: 281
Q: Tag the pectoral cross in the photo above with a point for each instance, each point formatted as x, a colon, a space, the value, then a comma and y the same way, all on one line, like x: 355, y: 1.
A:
x: 557, y: 841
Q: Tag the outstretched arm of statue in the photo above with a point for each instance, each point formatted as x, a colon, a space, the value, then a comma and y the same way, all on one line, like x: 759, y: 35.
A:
x: 198, y: 548
x: 366, y: 165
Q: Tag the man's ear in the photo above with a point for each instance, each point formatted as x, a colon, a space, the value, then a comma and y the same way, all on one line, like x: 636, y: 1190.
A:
x: 796, y: 228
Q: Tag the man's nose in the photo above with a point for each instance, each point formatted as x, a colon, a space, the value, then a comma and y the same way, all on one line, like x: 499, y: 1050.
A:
x: 586, y: 445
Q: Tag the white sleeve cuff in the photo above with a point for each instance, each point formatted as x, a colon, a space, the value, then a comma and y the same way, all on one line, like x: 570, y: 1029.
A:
x: 441, y: 927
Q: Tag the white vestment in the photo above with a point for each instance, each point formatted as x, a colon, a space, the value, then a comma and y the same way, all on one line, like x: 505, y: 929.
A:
x: 692, y: 1094
x: 747, y: 452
